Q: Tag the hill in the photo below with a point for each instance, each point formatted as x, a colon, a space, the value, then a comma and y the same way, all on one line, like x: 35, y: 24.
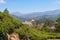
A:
x: 10, y: 25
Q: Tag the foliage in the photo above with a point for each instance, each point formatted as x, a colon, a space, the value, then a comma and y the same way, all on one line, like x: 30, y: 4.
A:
x: 57, y: 25
x: 8, y: 24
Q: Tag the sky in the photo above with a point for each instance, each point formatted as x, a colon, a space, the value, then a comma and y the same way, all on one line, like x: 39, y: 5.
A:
x: 28, y: 6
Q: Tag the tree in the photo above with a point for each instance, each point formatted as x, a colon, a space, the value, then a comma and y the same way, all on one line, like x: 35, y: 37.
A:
x: 6, y: 11
x: 57, y: 25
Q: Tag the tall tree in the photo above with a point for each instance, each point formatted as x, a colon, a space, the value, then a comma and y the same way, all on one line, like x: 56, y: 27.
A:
x: 6, y: 11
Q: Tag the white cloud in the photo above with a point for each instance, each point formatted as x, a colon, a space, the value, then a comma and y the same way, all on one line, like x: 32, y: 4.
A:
x: 2, y: 1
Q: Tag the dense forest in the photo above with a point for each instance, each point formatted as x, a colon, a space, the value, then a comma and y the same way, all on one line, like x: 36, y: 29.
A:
x: 9, y: 25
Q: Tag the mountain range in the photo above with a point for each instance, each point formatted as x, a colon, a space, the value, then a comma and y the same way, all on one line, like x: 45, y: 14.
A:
x: 37, y: 15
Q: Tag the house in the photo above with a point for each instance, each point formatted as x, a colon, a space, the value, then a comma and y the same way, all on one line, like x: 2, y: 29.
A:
x: 28, y: 23
x: 52, y: 28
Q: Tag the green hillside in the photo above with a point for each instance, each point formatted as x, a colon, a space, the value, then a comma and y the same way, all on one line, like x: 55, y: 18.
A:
x: 8, y: 24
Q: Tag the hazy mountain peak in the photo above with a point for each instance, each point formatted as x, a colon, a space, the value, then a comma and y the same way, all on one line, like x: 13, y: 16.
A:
x: 38, y: 14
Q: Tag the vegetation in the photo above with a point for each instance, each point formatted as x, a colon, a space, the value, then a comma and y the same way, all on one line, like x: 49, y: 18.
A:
x: 8, y: 24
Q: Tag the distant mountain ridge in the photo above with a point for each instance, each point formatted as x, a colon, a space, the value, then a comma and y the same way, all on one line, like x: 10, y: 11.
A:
x: 51, y: 14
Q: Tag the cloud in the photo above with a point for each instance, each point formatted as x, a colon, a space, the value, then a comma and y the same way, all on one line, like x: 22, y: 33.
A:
x: 58, y: 2
x: 2, y: 1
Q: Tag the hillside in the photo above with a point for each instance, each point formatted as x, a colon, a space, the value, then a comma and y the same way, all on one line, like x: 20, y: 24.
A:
x: 10, y: 25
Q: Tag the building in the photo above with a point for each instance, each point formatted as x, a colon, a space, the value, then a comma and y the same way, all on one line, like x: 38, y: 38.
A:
x: 28, y: 23
x: 52, y: 28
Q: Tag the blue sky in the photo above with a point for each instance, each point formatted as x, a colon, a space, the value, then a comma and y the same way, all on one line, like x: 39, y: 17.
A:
x: 28, y: 6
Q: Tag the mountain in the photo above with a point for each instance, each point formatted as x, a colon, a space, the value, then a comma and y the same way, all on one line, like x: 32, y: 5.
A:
x: 17, y: 13
x: 47, y: 14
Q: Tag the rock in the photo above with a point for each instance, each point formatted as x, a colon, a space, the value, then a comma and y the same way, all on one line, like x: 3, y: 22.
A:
x: 13, y: 36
